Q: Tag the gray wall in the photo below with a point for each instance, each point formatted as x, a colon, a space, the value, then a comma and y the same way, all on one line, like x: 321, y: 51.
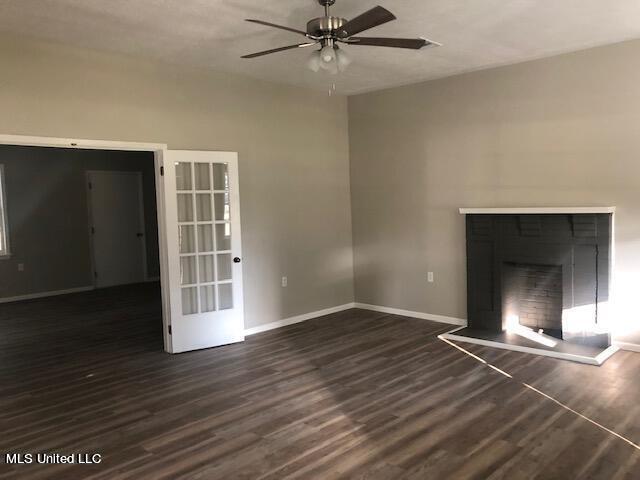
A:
x: 48, y: 215
x: 292, y: 144
x: 562, y: 131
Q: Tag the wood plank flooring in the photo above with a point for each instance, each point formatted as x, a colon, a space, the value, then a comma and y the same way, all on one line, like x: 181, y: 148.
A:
x: 357, y: 395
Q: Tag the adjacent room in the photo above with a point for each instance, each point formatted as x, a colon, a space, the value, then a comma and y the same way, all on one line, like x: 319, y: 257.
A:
x: 80, y: 240
x: 319, y: 239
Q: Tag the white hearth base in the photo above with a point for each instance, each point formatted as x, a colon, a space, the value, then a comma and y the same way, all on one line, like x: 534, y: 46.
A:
x: 595, y: 359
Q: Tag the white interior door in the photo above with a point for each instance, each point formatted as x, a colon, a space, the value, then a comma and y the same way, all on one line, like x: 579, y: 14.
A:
x: 117, y: 227
x: 202, y: 209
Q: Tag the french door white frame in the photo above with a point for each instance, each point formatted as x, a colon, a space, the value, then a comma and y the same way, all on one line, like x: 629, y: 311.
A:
x: 159, y: 150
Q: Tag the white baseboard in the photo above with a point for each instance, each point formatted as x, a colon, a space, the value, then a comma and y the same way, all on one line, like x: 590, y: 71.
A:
x: 31, y: 296
x: 297, y: 319
x: 347, y: 306
x: 408, y: 313
x: 442, y: 319
x: 632, y: 347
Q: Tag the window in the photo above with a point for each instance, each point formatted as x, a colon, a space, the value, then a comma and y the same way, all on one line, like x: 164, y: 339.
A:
x: 4, y: 224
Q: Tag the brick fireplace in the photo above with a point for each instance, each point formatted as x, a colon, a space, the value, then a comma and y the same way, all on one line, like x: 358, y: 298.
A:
x: 548, y: 272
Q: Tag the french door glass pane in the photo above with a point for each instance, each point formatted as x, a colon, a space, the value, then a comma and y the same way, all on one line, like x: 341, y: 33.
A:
x: 189, y: 300
x: 208, y: 298
x: 222, y: 206
x: 220, y: 176
x: 185, y: 207
x: 225, y: 296
x: 183, y: 176
x: 223, y: 236
x: 224, y: 266
x: 188, y: 270
x: 203, y: 179
x: 206, y: 268
x: 203, y: 207
x: 187, y: 239
x: 205, y: 238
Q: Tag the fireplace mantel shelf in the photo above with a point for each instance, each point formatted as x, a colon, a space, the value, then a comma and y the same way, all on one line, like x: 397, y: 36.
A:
x: 536, y: 210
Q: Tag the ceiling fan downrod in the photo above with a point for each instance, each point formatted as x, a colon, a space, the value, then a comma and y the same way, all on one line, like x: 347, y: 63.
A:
x: 326, y: 4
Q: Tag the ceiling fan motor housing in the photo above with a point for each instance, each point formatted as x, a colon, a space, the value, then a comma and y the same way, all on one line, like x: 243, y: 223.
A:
x: 323, y: 26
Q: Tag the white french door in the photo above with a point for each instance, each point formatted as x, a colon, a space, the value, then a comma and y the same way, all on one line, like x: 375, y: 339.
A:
x: 202, y: 221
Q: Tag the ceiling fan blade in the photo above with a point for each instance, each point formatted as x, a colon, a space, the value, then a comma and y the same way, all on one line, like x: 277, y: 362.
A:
x: 369, y: 19
x: 268, y: 24
x: 275, y: 50
x: 412, y: 43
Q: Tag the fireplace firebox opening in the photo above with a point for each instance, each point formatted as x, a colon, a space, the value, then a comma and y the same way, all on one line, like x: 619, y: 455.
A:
x: 532, y: 297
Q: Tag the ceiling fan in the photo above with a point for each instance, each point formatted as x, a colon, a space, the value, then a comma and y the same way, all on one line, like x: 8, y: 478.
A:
x: 329, y: 31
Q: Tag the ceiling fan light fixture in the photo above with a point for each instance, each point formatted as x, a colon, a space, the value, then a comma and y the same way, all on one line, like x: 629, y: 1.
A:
x: 342, y: 59
x: 332, y: 68
x: 328, y: 54
x: 314, y: 63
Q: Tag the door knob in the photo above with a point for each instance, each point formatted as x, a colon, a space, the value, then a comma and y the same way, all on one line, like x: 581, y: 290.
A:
x: 236, y: 260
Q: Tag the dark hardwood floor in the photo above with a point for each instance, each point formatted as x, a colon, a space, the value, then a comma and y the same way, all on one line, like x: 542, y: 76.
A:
x: 352, y: 395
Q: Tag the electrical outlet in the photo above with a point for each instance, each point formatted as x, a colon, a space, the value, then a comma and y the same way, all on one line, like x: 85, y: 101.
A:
x: 284, y: 281
x: 430, y: 277
x: 21, y: 267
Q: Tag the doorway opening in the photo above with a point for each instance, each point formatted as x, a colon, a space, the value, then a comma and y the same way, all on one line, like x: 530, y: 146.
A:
x: 83, y: 259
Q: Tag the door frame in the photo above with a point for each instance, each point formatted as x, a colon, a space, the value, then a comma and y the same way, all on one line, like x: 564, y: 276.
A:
x: 141, y: 218
x: 158, y: 150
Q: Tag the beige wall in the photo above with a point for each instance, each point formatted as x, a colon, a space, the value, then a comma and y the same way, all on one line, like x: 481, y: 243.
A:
x: 563, y: 131
x: 294, y: 184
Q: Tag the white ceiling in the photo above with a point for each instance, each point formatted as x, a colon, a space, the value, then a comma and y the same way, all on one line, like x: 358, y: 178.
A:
x: 476, y: 33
